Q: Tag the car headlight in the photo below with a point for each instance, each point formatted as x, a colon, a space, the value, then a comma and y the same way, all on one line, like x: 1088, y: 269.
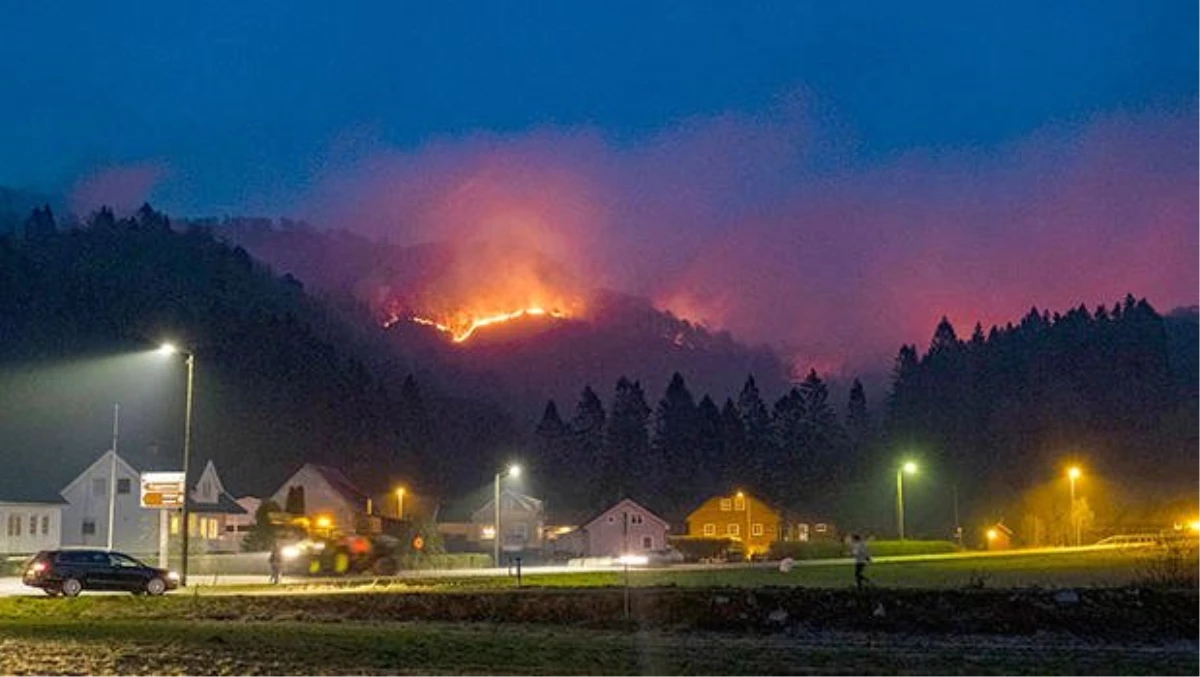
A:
x: 290, y: 552
x: 172, y: 576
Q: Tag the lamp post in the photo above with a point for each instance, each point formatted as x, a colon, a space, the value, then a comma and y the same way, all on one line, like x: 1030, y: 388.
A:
x: 112, y: 477
x: 1073, y: 474
x: 512, y: 471
x: 187, y: 455
x: 400, y: 503
x: 910, y: 468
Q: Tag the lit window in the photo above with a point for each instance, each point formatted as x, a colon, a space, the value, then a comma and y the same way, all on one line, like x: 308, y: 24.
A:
x: 489, y: 532
x: 726, y: 505
x: 123, y: 485
x: 175, y: 525
x: 98, y: 486
x: 739, y: 503
x: 710, y: 530
x: 635, y: 519
x: 821, y: 528
x: 647, y: 542
x: 212, y: 529
x: 757, y: 530
x: 732, y: 530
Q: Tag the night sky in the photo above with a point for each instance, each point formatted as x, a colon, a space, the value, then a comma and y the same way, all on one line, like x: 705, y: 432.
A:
x: 827, y: 177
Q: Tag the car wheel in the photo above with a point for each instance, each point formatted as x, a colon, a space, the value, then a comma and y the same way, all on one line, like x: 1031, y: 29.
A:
x: 71, y: 587
x: 156, y: 586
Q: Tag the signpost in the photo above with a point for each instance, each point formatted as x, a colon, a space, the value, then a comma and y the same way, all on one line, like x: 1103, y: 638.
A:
x: 163, y: 491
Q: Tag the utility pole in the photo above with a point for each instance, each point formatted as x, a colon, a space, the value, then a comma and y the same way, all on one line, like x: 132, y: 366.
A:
x: 112, y: 475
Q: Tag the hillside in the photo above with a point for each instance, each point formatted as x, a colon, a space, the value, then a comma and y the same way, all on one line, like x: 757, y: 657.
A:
x: 279, y: 380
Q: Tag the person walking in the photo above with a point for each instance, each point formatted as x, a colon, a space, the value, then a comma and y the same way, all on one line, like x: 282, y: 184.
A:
x: 858, y: 550
x: 276, y: 562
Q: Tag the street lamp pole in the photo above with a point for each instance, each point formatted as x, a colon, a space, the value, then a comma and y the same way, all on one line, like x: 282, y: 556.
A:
x: 400, y: 503
x: 906, y: 468
x: 187, y: 455
x: 112, y: 476
x: 512, y: 471
x: 1072, y: 475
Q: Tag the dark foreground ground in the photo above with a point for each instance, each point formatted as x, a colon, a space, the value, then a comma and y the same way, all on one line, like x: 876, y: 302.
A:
x: 557, y: 631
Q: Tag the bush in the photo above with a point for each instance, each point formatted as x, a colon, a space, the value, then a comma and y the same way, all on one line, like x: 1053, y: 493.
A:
x: 467, y: 560
x: 807, y: 550
x: 694, y: 548
x: 836, y: 549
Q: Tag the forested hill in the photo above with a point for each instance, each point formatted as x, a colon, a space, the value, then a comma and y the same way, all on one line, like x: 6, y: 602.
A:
x: 1113, y: 389
x: 278, y: 380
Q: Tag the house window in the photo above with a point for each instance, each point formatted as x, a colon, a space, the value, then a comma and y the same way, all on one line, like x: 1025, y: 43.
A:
x: 33, y: 525
x: 612, y: 519
x: 123, y: 485
x: 635, y: 519
x: 647, y: 542
x: 174, y: 525
x: 821, y: 528
x: 520, y: 531
x: 739, y: 504
x: 213, y: 529
x: 757, y: 529
x: 732, y: 529
x: 89, y: 527
x: 45, y: 524
x: 726, y: 505
x: 98, y: 486
x: 710, y: 530
x: 802, y: 529
x: 13, y: 527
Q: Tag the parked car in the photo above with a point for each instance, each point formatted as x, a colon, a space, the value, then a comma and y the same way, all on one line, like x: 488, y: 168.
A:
x: 70, y: 572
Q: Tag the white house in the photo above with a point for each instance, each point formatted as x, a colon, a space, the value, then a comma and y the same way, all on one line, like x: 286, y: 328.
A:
x: 85, y: 517
x: 27, y: 526
x: 210, y: 511
x: 626, y: 528
x: 324, y: 492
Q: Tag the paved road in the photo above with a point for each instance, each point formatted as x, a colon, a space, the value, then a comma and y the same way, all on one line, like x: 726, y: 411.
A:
x: 229, y: 583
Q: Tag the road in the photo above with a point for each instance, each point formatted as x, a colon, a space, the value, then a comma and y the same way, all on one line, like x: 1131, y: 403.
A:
x: 232, y: 583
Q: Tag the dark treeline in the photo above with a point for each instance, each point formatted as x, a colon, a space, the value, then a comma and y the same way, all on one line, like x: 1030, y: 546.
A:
x: 1112, y: 389
x: 677, y: 450
x: 986, y: 419
x: 280, y: 381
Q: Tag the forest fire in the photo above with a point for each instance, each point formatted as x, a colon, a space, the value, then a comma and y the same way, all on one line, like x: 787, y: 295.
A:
x: 460, y: 332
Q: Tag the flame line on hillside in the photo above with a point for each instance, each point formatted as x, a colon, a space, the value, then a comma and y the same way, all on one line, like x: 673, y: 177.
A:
x: 477, y: 323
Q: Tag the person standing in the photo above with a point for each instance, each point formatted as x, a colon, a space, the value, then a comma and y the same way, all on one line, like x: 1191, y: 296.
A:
x: 276, y: 562
x: 858, y: 550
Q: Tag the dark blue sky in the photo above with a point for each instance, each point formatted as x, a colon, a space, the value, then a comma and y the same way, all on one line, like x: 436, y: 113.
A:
x: 243, y: 99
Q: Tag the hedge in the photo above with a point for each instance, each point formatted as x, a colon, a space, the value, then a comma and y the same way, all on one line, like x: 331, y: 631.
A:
x: 835, y: 549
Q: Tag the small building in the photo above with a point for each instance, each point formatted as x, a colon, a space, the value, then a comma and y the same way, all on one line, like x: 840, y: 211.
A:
x: 999, y: 537
x: 470, y: 524
x: 324, y: 493
x: 739, y: 517
x: 29, y: 522
x: 627, y: 528
x: 210, y: 511
x: 85, y: 517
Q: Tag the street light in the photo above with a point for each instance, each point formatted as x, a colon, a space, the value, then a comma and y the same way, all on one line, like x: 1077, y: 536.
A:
x: 1073, y: 474
x: 910, y: 468
x: 400, y: 503
x: 512, y: 471
x: 171, y: 348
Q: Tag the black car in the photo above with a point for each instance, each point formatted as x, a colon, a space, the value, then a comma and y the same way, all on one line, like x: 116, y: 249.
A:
x: 69, y: 572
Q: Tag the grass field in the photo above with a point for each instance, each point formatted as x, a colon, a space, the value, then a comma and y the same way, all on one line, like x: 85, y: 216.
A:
x: 935, y: 619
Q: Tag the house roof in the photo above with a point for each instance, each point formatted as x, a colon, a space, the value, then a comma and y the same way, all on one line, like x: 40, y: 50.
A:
x: 225, y: 505
x: 341, y: 484
x: 598, y: 516
x: 463, y: 509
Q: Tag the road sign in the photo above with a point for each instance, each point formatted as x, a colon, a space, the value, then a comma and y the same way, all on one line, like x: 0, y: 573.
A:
x: 162, y: 489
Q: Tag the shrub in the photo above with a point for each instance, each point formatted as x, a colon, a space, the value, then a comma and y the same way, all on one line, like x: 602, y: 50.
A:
x: 695, y: 548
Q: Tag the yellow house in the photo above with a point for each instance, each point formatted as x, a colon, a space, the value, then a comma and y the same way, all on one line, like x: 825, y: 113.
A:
x: 740, y: 517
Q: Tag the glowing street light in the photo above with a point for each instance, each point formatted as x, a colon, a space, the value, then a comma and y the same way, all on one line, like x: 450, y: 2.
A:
x: 910, y: 468
x: 513, y: 470
x: 400, y: 503
x: 171, y: 349
x: 1073, y: 474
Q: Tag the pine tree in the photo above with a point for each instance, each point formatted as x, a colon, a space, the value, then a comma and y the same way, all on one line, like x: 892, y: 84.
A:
x: 588, y: 454
x: 860, y: 434
x: 708, y: 459
x: 675, y: 443
x: 630, y: 469
x: 823, y: 435
x: 760, y: 450
x: 736, y: 466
